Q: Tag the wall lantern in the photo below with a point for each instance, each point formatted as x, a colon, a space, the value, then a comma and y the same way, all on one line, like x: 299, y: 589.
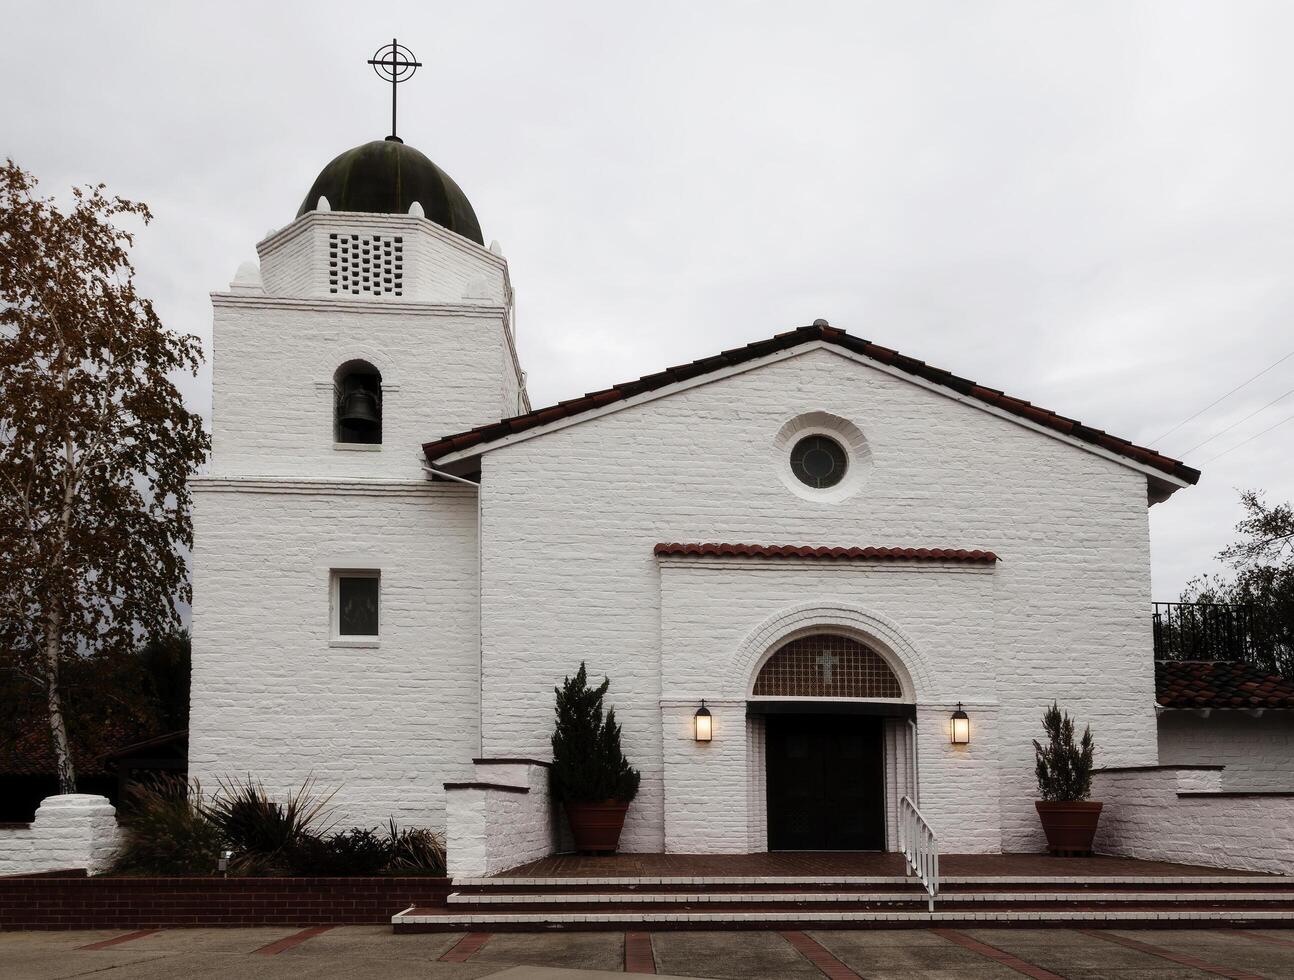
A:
x: 702, y: 724
x: 960, y: 726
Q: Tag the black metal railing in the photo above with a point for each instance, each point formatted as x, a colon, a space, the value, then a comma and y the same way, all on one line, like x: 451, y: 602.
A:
x: 1204, y: 631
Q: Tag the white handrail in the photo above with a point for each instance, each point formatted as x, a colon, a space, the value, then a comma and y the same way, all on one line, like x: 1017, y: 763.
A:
x: 920, y: 848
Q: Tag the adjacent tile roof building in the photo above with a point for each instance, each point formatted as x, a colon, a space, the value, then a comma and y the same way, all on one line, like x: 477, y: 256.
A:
x: 1221, y: 684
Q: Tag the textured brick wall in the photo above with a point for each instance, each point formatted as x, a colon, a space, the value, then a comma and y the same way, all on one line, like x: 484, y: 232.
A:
x: 1258, y: 753
x: 570, y: 520
x: 274, y: 359
x: 439, y: 266
x: 151, y: 903
x: 1145, y: 816
x: 272, y: 696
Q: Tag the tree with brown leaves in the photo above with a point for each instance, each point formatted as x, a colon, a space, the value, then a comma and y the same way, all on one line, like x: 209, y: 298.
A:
x: 96, y: 445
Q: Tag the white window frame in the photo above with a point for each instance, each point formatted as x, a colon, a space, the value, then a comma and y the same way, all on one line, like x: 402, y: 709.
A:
x: 335, y: 637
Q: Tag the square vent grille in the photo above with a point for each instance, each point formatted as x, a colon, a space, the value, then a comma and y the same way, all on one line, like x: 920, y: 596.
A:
x: 372, y: 264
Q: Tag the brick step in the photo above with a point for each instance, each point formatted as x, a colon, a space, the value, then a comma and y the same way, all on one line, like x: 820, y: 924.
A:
x: 440, y: 919
x: 779, y: 882
x: 906, y: 886
x: 595, y: 900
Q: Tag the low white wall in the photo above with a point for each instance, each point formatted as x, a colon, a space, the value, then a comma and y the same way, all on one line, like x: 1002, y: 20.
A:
x: 1168, y: 813
x: 72, y: 831
x: 1258, y: 752
x: 499, y: 821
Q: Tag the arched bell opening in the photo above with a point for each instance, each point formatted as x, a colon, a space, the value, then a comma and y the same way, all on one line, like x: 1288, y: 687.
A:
x: 357, y: 413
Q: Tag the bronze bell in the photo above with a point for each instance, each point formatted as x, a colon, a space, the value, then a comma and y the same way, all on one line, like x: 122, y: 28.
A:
x: 359, y: 410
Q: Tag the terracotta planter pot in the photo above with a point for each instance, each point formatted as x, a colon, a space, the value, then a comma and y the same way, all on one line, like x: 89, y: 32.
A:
x: 596, y: 826
x: 1069, y: 827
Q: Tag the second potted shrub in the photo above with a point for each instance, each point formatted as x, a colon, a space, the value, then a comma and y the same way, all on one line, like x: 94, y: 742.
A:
x: 1064, y: 771
x: 590, y: 775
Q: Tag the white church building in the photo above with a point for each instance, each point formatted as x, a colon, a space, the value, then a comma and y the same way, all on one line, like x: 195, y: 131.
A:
x: 832, y: 544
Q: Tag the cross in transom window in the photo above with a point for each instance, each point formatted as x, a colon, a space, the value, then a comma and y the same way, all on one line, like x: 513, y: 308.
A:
x: 826, y: 662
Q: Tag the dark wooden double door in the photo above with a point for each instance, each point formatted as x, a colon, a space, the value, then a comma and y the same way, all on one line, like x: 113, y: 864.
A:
x: 826, y: 776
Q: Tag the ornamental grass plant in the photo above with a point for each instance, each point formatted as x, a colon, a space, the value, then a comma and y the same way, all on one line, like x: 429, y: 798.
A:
x: 267, y: 836
x: 166, y: 830
x: 171, y: 828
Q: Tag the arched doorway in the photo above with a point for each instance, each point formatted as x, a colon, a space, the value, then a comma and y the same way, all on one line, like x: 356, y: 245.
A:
x: 825, y: 703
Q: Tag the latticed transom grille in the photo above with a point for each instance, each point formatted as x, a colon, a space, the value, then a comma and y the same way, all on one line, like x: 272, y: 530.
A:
x: 365, y: 264
x: 827, y: 665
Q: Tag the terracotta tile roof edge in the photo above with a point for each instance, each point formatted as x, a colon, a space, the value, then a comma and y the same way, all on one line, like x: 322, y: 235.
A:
x: 786, y: 341
x: 1220, y: 684
x: 718, y: 550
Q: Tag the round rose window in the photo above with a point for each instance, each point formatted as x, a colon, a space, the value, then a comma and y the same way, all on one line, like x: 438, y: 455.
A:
x: 819, y: 461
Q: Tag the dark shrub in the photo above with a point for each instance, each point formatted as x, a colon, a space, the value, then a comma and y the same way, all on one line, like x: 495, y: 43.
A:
x: 358, y: 851
x: 167, y: 831
x: 415, y: 850
x: 1063, y: 768
x: 588, y: 765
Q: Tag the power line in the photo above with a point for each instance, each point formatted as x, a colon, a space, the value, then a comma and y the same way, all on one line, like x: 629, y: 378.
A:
x: 1241, y: 422
x: 1225, y: 397
x: 1288, y: 418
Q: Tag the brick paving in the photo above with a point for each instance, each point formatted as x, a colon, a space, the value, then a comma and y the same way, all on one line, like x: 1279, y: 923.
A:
x: 997, y: 955
x: 1183, y: 959
x: 466, y: 947
x: 819, y: 956
x: 1246, y: 934
x: 639, y: 957
x: 816, y: 863
x: 287, y: 942
x: 117, y: 940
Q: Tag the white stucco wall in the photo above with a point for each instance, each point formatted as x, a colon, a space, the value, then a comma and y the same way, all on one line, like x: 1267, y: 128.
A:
x: 276, y: 698
x: 438, y: 265
x: 69, y: 832
x: 503, y: 819
x: 570, y: 519
x: 1169, y: 814
x: 1258, y: 752
x: 443, y: 369
x: 716, y: 630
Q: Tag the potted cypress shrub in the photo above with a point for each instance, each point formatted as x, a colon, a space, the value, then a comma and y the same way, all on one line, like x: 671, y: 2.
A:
x: 1064, y: 771
x: 590, y: 775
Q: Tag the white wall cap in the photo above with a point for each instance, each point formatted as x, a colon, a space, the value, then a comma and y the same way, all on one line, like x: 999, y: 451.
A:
x: 69, y: 801
x: 496, y: 248
x: 247, y: 278
x: 322, y: 204
x: 415, y: 210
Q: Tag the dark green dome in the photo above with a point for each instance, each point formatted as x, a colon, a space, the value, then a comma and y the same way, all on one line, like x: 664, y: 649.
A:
x: 385, y: 177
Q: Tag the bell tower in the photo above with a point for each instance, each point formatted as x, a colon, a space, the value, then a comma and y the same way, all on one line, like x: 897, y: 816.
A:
x: 376, y: 320
x: 336, y: 628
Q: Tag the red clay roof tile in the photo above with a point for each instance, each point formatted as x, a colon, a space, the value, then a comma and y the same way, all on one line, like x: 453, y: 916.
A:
x: 1220, y: 684
x: 785, y: 341
x: 717, y: 550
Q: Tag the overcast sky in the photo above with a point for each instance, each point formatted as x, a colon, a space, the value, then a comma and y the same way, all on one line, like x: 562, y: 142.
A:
x: 1089, y: 205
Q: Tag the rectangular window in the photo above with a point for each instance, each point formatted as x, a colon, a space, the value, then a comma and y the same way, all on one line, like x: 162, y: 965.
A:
x: 356, y: 604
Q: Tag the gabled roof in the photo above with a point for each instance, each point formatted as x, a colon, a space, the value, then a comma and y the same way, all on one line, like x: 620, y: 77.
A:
x: 716, y: 550
x: 1219, y: 684
x: 819, y: 332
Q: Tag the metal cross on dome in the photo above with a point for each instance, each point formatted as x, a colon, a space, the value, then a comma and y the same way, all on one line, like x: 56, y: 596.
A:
x: 395, y: 63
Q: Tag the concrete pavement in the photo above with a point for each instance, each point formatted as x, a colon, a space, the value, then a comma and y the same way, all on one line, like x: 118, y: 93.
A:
x: 373, y: 953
